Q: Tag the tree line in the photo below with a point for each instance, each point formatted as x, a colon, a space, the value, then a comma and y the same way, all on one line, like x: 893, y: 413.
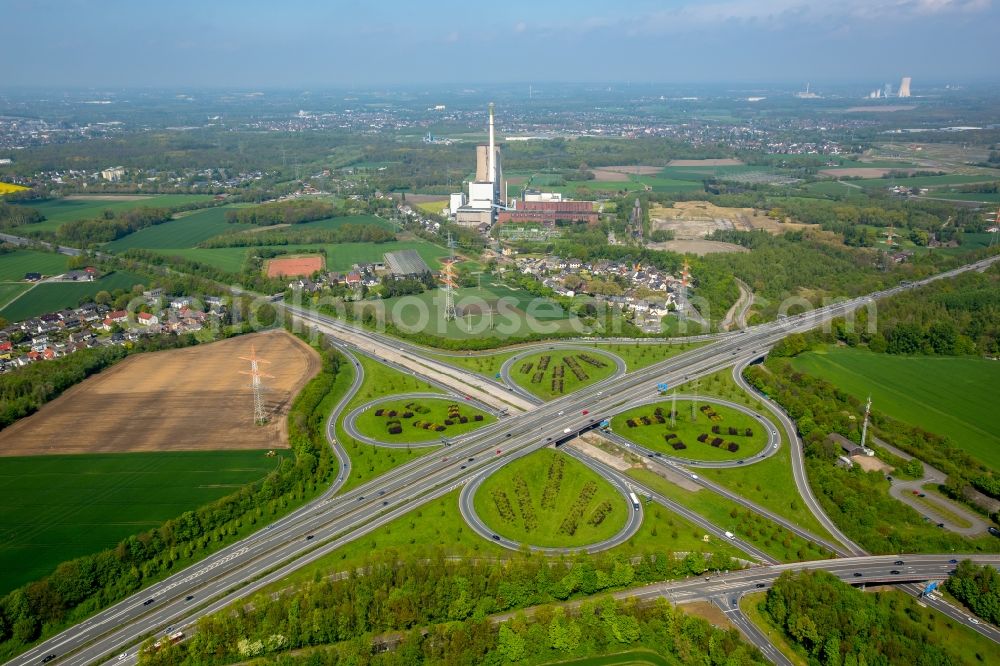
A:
x: 82, y: 586
x: 12, y: 217
x: 112, y: 225
x: 394, y: 591
x: 346, y: 233
x: 293, y: 211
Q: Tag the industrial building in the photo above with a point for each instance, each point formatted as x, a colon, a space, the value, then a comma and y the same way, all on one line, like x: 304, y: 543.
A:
x: 486, y: 192
x: 550, y: 212
x: 405, y: 263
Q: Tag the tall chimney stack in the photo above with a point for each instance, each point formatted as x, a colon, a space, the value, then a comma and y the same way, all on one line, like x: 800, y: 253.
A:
x: 492, y: 169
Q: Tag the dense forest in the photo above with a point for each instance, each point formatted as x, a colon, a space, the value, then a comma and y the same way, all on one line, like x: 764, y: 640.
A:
x: 397, y: 591
x: 947, y: 318
x: 79, y: 587
x: 12, y: 217
x: 978, y: 588
x: 837, y: 625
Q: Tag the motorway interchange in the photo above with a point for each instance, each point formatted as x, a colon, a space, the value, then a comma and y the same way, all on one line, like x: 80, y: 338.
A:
x: 336, y: 518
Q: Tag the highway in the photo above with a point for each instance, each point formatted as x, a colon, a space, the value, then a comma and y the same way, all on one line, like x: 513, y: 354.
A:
x: 238, y: 570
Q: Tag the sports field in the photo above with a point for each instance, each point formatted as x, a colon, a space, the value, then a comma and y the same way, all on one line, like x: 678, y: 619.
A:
x: 299, y: 266
x: 550, y: 374
x: 382, y: 421
x: 13, y: 265
x: 55, y: 508
x: 190, y: 399
x: 60, y: 211
x: 52, y: 296
x: 550, y: 499
x: 692, y: 421
x: 948, y: 396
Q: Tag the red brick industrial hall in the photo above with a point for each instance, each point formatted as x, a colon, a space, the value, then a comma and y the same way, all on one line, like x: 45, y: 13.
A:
x: 549, y: 212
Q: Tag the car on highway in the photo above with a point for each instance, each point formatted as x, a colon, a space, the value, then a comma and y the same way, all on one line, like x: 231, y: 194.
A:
x: 385, y: 502
x: 309, y: 537
x: 733, y: 602
x: 499, y: 451
x: 972, y: 619
x: 694, y: 476
x: 585, y: 412
x: 760, y: 585
x: 496, y: 537
x: 147, y: 602
x: 463, y: 466
x: 48, y: 658
x: 567, y: 431
x: 189, y: 597
x: 899, y: 563
x: 561, y: 413
x: 895, y: 572
x: 858, y: 574
x: 472, y: 460
x: 952, y: 561
x: 123, y: 655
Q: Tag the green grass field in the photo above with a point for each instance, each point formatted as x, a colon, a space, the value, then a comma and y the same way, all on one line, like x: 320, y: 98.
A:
x: 689, y: 426
x: 339, y: 257
x: 54, y: 296
x: 750, y: 526
x: 369, y: 461
x: 947, y: 396
x: 184, y: 232
x: 60, y: 211
x: 534, y: 521
x: 11, y: 290
x: 557, y: 378
x: 437, y: 412
x: 986, y: 197
x: 55, y: 508
x: 13, y: 265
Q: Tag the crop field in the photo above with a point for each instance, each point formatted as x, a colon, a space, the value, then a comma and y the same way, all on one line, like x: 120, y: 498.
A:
x: 336, y: 222
x: 53, y: 296
x: 986, y: 197
x: 945, y: 395
x: 405, y: 420
x: 550, y: 499
x: 13, y: 265
x: 650, y: 426
x: 339, y: 257
x: 7, y: 188
x: 55, y: 508
x: 11, y: 290
x: 186, y: 231
x: 60, y: 211
x: 191, y: 399
x: 555, y: 373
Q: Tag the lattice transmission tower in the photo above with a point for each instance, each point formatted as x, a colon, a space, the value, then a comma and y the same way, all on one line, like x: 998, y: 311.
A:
x: 450, y: 313
x: 256, y: 385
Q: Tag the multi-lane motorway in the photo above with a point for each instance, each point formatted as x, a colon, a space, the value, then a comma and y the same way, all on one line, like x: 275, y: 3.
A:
x: 334, y: 519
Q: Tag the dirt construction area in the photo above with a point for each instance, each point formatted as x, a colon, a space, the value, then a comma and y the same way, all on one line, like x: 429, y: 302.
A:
x: 303, y: 266
x: 178, y: 400
x: 621, y: 174
x: 694, y: 220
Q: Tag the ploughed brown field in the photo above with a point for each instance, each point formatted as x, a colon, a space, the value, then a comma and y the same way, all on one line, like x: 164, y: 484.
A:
x: 177, y: 400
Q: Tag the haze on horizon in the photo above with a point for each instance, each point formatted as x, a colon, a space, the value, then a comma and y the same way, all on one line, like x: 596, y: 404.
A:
x: 294, y: 43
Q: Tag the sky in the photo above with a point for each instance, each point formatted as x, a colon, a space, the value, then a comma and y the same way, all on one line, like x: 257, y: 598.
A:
x: 338, y: 43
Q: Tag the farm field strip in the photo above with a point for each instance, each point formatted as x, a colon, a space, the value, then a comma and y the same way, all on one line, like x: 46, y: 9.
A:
x: 52, y: 296
x: 60, y: 211
x: 948, y: 396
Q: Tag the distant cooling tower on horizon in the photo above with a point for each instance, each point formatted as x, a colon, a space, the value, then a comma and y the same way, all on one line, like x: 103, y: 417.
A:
x: 904, y: 87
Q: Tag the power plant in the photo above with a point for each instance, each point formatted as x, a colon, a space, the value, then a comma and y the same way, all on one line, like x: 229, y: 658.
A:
x: 487, y: 191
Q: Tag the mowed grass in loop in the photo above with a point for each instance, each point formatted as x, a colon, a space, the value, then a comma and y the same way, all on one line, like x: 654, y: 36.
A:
x: 14, y: 265
x: 56, y: 508
x: 949, y: 396
x: 544, y: 530
x: 377, y: 427
x: 549, y: 385
x: 687, y: 428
